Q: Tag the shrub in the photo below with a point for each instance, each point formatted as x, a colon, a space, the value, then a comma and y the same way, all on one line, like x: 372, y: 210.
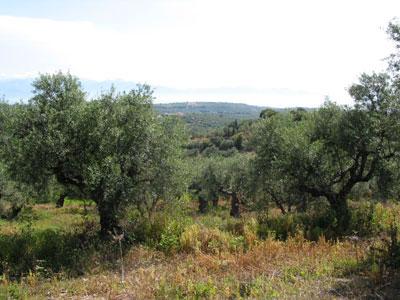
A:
x: 367, y: 219
x: 361, y: 221
x: 170, y: 236
x: 196, y: 238
x: 209, y: 151
x: 202, y: 289
x: 226, y: 145
x: 245, y: 228
x: 384, y: 254
x: 281, y: 227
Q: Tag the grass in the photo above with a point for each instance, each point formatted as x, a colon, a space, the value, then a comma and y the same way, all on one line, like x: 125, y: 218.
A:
x: 46, y: 216
x: 270, y: 269
x: 197, y: 257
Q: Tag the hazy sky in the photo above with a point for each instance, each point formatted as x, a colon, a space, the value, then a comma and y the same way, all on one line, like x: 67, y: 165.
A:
x: 277, y: 53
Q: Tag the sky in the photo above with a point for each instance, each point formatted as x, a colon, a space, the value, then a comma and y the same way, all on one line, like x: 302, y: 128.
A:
x: 271, y: 53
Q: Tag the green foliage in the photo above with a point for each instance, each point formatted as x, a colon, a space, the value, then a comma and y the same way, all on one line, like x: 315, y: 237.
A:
x: 12, y: 197
x: 267, y: 113
x: 43, y: 134
x: 384, y: 253
x: 162, y: 230
x: 12, y: 290
x: 202, y: 290
x: 225, y: 141
x: 326, y: 153
x: 113, y: 150
x: 367, y: 220
x: 216, y: 177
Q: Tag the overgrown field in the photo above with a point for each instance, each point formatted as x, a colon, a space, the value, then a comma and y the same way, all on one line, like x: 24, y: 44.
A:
x: 178, y: 253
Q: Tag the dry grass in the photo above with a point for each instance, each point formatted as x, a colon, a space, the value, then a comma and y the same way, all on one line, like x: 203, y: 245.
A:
x: 270, y: 269
x: 218, y: 258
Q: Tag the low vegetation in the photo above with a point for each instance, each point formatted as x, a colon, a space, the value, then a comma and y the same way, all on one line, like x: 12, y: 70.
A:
x: 56, y: 253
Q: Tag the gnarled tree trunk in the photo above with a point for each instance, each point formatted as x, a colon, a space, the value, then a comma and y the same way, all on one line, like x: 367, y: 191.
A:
x: 60, y: 201
x: 235, y: 206
x: 108, y: 222
x: 342, y: 213
x: 215, y: 202
x: 15, y: 210
x: 202, y: 204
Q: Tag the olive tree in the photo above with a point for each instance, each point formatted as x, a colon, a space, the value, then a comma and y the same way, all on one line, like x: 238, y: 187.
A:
x: 228, y: 177
x: 330, y: 151
x: 327, y: 152
x: 43, y: 135
x: 114, y: 150
x: 205, y: 181
x: 272, y: 183
x: 133, y: 155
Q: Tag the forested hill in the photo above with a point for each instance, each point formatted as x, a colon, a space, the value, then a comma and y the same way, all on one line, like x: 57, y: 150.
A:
x: 236, y: 110
x: 204, y: 116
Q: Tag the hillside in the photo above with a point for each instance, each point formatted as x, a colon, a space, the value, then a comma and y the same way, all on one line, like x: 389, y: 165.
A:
x: 203, y: 116
x: 235, y: 110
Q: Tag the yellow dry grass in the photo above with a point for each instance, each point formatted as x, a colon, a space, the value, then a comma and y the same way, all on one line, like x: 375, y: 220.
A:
x: 270, y: 269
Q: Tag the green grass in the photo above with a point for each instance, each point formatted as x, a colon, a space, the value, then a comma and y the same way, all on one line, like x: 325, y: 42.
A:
x: 46, y: 216
x: 78, y: 202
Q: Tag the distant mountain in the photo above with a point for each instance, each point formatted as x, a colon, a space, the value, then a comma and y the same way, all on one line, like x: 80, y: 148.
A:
x: 15, y: 89
x: 18, y: 89
x: 200, y: 116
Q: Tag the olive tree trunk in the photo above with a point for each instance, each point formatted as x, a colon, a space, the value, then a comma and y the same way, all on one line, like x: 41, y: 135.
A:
x: 61, y: 200
x: 215, y: 202
x: 339, y: 206
x: 202, y: 204
x: 108, y: 219
x: 235, y: 206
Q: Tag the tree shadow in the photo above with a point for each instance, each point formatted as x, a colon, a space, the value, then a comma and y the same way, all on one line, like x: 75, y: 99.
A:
x: 51, y: 251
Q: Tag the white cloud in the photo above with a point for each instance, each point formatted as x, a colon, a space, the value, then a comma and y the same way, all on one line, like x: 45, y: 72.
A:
x: 317, y: 46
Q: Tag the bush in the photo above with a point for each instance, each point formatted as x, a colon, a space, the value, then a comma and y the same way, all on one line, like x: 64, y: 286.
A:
x: 212, y: 150
x: 281, y: 227
x: 196, y: 238
x: 9, y: 210
x: 170, y: 236
x: 361, y: 222
x: 226, y: 145
x: 230, y: 152
x: 161, y: 230
x: 384, y: 254
x: 245, y: 228
x: 367, y: 219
